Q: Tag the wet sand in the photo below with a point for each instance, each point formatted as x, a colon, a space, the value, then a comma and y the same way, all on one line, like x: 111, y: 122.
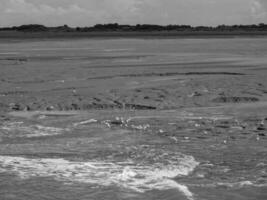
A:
x: 133, y: 119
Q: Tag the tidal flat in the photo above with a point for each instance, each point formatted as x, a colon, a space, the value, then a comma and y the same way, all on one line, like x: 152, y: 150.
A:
x: 155, y: 119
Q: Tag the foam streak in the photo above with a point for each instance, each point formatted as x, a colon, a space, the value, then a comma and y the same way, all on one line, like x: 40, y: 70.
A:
x: 129, y: 175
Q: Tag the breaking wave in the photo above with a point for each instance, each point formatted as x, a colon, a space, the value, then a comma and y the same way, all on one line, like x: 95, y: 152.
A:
x: 129, y: 175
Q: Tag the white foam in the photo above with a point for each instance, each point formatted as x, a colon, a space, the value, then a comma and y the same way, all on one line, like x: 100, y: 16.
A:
x: 129, y: 175
x: 140, y: 127
x: 21, y: 130
x: 85, y: 122
x: 237, y: 185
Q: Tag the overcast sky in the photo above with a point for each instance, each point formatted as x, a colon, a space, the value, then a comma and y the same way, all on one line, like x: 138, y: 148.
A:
x: 90, y: 12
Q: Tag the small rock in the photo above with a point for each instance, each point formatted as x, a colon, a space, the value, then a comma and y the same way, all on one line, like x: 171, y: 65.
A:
x: 261, y: 128
x: 117, y: 122
x: 50, y: 108
x: 15, y: 106
x: 195, y: 94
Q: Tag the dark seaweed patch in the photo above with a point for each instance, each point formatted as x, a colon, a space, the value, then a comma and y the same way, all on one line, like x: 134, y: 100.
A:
x: 235, y: 99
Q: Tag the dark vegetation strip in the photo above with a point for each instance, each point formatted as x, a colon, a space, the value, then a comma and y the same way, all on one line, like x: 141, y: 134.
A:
x: 115, y: 27
x: 140, y: 30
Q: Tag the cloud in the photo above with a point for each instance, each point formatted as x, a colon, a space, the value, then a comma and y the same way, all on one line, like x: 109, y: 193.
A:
x: 21, y: 11
x: 89, y: 12
x: 258, y: 9
x: 196, y: 12
x: 80, y: 12
x: 263, y: 3
x: 25, y: 8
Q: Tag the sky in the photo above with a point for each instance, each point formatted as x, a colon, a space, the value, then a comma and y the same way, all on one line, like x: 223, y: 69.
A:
x: 89, y: 12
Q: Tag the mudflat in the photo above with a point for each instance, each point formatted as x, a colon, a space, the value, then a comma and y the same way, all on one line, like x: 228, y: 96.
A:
x: 133, y: 118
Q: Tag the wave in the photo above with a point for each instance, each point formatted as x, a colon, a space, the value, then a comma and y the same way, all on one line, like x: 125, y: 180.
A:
x: 129, y: 175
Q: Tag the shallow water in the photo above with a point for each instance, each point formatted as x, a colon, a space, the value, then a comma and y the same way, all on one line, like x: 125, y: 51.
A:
x: 131, y: 155
x: 188, y: 148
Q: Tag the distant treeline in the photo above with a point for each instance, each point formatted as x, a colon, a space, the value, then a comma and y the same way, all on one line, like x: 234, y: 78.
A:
x: 138, y: 28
